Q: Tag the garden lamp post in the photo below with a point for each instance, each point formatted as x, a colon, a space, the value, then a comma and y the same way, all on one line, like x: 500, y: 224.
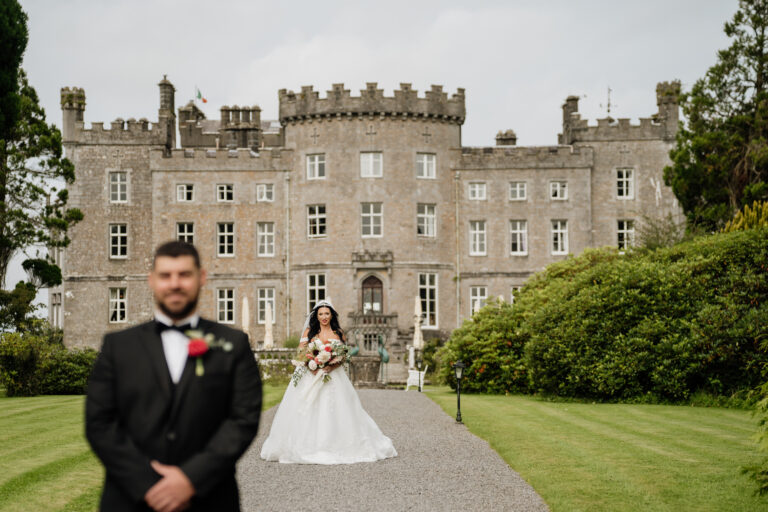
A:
x: 418, y: 365
x: 458, y: 372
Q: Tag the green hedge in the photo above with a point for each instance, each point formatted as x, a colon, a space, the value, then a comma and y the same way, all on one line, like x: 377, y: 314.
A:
x: 36, y: 365
x: 656, y: 325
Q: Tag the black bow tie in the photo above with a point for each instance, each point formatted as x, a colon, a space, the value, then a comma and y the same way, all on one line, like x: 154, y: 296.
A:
x: 181, y: 328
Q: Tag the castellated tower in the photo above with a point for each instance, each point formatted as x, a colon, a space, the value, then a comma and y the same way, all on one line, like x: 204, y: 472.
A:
x: 113, y: 188
x: 371, y: 163
x: 631, y: 154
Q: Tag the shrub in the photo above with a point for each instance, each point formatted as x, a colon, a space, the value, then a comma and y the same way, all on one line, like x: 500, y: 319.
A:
x: 749, y: 218
x: 490, y: 345
x: 32, y: 364
x: 291, y: 342
x: 647, y: 325
x: 665, y: 323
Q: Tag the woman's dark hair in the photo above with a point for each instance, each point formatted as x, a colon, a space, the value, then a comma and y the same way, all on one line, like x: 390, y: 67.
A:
x: 314, y: 324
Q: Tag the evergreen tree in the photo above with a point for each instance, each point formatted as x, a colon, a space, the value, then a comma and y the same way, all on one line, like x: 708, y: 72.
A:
x: 720, y: 160
x: 33, y: 171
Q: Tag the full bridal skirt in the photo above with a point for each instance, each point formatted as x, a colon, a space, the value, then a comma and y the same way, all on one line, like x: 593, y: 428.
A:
x: 324, y: 423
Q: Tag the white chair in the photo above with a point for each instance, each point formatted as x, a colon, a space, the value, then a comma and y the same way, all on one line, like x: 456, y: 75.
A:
x: 414, y: 377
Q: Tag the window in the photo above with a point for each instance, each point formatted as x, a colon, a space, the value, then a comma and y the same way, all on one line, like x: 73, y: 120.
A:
x: 371, y: 165
x: 118, y: 241
x: 558, y: 190
x: 315, y: 290
x: 316, y: 221
x: 56, y: 309
x: 477, y: 238
x: 265, y: 296
x: 265, y: 192
x: 478, y: 295
x: 226, y: 239
x: 513, y: 291
x: 477, y: 191
x: 426, y: 220
x: 428, y: 295
x: 373, y: 291
x: 118, y: 187
x: 370, y: 341
x: 265, y: 235
x: 626, y: 234
x: 425, y: 165
x: 118, y: 306
x: 185, y: 232
x: 517, y: 191
x: 518, y: 231
x: 185, y: 192
x: 225, y: 305
x: 559, y: 237
x: 625, y: 184
x: 371, y: 220
x: 316, y: 167
x: 225, y: 192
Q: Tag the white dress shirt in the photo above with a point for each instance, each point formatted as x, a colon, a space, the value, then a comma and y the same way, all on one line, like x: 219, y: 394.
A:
x: 175, y: 344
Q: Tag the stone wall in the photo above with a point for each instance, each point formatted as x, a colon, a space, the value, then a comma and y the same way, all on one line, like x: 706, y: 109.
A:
x: 341, y: 127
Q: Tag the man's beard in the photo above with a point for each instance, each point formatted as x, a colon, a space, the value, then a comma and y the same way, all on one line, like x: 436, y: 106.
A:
x: 185, y: 311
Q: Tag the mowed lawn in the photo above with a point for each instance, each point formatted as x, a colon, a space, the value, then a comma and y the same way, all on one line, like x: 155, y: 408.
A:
x: 45, y: 461
x: 619, y: 457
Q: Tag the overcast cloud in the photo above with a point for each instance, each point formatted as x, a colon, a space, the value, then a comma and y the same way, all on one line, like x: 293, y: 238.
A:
x: 517, y: 60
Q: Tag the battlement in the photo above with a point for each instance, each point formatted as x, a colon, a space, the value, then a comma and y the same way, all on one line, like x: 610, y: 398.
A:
x: 120, y: 131
x: 524, y: 157
x: 295, y: 107
x: 660, y: 126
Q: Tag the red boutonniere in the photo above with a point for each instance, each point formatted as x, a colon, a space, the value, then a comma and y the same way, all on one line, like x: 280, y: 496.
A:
x: 200, y: 343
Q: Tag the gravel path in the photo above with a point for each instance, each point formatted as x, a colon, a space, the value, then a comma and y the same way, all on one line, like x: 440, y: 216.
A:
x: 440, y: 466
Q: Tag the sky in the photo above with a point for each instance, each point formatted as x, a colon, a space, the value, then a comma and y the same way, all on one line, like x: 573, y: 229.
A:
x: 517, y: 60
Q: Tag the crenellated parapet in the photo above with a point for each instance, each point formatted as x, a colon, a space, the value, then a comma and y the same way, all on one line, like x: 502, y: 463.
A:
x: 120, y: 131
x: 339, y: 103
x: 660, y: 126
x: 524, y: 157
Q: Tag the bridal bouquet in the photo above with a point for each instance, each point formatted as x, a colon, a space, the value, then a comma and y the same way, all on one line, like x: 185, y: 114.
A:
x: 318, y: 355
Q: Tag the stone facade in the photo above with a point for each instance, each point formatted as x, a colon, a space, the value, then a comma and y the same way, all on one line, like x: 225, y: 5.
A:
x: 373, y: 197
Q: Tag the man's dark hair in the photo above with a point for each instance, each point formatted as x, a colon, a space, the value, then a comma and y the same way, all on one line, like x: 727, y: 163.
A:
x: 176, y: 248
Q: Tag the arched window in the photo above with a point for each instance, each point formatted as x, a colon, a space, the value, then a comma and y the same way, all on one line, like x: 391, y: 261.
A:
x: 372, y: 295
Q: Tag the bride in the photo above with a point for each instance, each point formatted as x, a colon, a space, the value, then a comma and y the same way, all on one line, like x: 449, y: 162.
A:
x: 321, y: 422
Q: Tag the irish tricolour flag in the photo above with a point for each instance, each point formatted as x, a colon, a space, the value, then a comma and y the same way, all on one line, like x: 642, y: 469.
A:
x: 200, y: 96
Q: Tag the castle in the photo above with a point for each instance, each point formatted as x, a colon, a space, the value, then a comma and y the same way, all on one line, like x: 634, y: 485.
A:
x: 367, y: 199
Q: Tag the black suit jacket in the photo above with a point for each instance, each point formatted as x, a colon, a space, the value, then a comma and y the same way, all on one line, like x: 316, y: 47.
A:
x: 134, y: 414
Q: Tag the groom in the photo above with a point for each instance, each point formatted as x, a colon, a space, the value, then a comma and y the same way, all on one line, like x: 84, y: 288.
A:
x: 169, y: 424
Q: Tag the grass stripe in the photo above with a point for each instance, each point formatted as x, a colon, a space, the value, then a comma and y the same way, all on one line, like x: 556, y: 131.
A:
x: 22, y: 485
x: 85, y: 502
x: 607, y: 457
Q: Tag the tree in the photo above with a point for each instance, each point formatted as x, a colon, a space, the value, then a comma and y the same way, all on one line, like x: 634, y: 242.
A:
x: 720, y: 160
x: 33, y: 170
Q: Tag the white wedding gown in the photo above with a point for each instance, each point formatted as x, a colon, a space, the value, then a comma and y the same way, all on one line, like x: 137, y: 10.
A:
x: 324, y: 423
